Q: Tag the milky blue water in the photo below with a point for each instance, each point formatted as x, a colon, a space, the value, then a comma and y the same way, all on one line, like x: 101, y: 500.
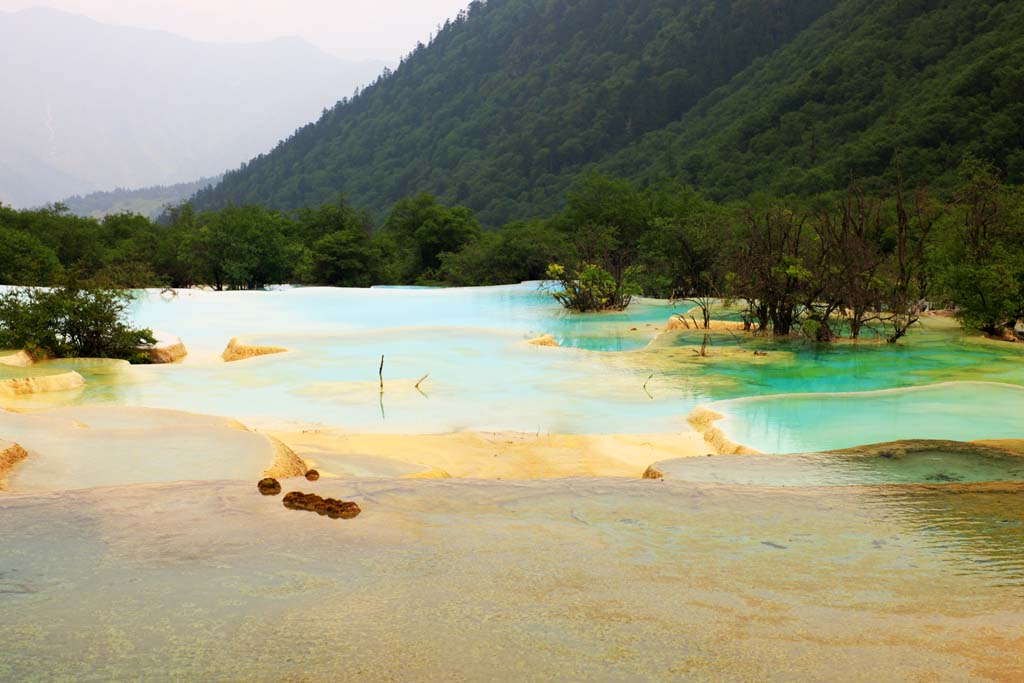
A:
x: 607, y: 378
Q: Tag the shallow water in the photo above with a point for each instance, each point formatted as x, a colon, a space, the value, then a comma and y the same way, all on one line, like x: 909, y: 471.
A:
x: 483, y: 376
x: 941, y: 464
x: 801, y: 423
x: 595, y: 579
x: 584, y: 579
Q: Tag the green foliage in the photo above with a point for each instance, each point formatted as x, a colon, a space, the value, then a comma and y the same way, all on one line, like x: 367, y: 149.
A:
x: 344, y: 258
x: 513, y: 100
x: 981, y: 256
x: 518, y: 252
x: 938, y: 80
x: 420, y: 231
x: 26, y: 260
x: 510, y: 104
x: 240, y: 248
x: 70, y: 323
x: 589, y: 287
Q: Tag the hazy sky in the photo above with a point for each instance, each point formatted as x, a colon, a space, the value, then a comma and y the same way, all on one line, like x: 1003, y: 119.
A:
x: 354, y: 29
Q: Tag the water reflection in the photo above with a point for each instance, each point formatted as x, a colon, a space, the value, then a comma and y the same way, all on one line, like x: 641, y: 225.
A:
x: 979, y: 528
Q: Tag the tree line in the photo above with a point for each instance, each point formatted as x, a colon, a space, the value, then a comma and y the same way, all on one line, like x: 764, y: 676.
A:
x: 834, y: 265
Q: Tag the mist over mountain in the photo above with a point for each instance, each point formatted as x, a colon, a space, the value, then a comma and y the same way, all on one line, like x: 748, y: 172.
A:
x: 147, y: 201
x: 88, y: 106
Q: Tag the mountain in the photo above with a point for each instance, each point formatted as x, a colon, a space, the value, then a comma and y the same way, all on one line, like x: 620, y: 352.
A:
x: 513, y: 100
x: 148, y: 201
x: 940, y: 80
x: 88, y: 106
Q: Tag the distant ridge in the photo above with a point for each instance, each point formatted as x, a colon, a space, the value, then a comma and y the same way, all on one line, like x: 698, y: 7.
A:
x: 148, y: 201
x: 88, y: 106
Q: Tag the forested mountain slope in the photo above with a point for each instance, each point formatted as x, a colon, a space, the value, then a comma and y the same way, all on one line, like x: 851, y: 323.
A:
x: 514, y: 100
x: 508, y: 103
x: 941, y: 80
x: 86, y: 106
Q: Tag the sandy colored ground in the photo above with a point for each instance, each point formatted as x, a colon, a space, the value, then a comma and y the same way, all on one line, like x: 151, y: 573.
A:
x: 489, y: 455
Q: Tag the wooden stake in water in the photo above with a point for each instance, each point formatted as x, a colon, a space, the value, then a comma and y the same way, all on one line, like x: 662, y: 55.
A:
x: 380, y: 373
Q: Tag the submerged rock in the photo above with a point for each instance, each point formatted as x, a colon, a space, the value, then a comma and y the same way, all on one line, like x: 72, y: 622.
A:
x: 312, y: 475
x: 269, y: 486
x: 325, y: 507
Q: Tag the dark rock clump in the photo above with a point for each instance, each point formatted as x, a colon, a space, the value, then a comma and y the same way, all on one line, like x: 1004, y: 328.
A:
x: 326, y: 507
x: 653, y: 473
x: 269, y: 487
x: 312, y: 475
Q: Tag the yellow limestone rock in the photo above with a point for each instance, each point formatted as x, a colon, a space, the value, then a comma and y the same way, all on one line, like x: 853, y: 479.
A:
x: 23, y: 386
x: 237, y: 350
x: 703, y: 419
x: 544, y: 340
x: 18, y: 359
x: 679, y: 322
x: 10, y: 455
x: 167, y: 349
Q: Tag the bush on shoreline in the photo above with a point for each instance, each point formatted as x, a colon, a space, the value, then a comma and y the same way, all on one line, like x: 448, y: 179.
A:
x: 70, y: 322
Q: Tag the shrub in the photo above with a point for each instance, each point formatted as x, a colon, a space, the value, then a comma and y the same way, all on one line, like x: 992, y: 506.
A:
x: 592, y: 288
x: 71, y: 323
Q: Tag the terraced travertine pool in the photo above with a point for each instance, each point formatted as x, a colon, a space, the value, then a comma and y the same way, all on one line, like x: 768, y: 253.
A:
x: 609, y: 378
x: 135, y: 550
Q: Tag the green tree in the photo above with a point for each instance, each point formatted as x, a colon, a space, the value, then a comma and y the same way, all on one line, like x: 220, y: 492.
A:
x: 417, y: 233
x: 981, y: 258
x: 25, y: 260
x: 71, y: 323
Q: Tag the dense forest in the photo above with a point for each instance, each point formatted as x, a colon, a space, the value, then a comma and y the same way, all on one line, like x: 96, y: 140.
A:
x: 515, y: 99
x: 833, y: 265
